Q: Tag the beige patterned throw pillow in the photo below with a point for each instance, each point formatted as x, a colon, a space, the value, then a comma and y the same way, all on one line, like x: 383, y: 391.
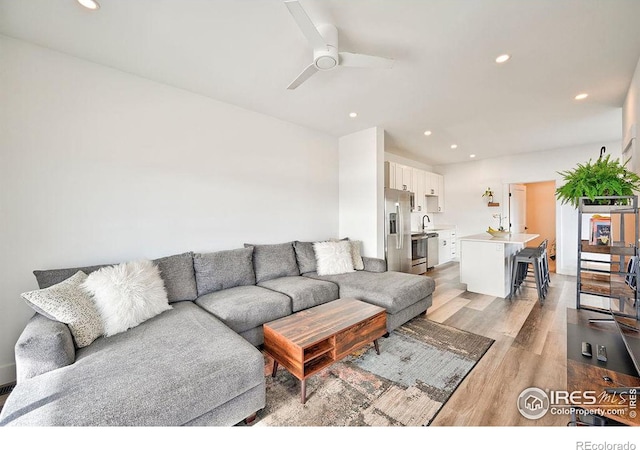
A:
x: 68, y: 303
x: 356, y: 255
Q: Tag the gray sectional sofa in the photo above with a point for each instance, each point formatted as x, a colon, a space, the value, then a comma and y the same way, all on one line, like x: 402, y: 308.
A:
x: 198, y: 363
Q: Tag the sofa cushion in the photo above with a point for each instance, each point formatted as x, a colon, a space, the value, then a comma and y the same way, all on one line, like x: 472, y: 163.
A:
x: 274, y: 261
x: 168, y: 371
x: 69, y: 303
x: 244, y: 307
x: 305, y: 256
x: 176, y: 272
x: 179, y: 277
x: 304, y: 292
x: 393, y: 291
x: 223, y: 270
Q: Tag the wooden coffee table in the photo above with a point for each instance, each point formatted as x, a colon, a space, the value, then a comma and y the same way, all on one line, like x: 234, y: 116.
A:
x: 310, y: 340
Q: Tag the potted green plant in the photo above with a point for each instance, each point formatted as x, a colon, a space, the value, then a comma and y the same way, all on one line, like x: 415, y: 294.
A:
x: 605, y: 177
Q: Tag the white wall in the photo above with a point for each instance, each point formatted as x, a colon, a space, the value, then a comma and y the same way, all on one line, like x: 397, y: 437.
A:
x: 98, y: 166
x: 631, y: 120
x: 466, y: 182
x: 361, y: 189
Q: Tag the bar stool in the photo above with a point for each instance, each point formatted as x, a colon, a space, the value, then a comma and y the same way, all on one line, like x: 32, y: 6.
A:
x: 536, y: 257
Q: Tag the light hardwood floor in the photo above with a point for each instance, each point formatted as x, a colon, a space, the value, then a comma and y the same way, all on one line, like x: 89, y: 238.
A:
x: 529, y: 350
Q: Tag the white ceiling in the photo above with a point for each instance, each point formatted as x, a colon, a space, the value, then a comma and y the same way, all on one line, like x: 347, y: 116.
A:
x: 246, y: 52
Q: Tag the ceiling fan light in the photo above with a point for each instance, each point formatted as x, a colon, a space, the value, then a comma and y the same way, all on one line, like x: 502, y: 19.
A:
x: 326, y: 63
x: 90, y: 4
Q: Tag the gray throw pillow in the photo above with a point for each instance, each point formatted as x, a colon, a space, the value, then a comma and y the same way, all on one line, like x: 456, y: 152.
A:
x: 223, y: 270
x: 47, y: 278
x: 306, y: 256
x: 179, y: 277
x: 274, y: 261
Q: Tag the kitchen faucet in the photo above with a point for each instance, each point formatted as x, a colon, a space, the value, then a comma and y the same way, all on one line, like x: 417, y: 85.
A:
x: 423, y: 227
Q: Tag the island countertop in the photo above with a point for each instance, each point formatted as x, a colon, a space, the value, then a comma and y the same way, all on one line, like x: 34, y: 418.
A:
x: 513, y: 238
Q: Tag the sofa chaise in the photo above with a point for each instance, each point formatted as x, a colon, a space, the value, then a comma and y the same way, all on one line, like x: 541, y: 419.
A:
x: 199, y: 362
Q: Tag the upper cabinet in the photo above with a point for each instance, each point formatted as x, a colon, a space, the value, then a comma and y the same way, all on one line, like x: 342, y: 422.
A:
x: 389, y: 175
x: 418, y: 185
x: 403, y: 177
x: 397, y: 176
x: 428, y: 187
x: 432, y: 184
x: 440, y: 193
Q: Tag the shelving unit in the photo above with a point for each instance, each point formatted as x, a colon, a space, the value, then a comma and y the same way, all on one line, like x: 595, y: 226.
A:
x: 603, y: 282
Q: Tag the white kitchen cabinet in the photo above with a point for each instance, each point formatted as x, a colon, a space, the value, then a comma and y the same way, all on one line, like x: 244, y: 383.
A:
x: 418, y: 187
x: 428, y: 183
x: 440, y: 193
x: 433, y: 186
x: 435, y: 202
x: 428, y: 187
x: 444, y: 246
x: 403, y: 177
x: 454, y: 244
x: 390, y: 175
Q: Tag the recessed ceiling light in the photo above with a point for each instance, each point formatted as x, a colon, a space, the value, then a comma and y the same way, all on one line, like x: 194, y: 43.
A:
x: 353, y: 114
x: 427, y: 133
x: 454, y: 146
x: 503, y: 58
x: 89, y: 4
x: 581, y: 96
x: 472, y: 156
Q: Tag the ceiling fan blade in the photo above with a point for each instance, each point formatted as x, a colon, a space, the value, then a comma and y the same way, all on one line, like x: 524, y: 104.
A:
x: 359, y: 60
x: 306, y: 25
x: 304, y: 76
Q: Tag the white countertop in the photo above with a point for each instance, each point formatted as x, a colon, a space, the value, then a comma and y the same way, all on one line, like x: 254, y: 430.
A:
x: 435, y: 229
x: 513, y: 238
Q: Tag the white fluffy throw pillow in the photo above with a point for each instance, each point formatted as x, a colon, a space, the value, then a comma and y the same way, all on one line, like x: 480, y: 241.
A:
x: 333, y: 258
x: 127, y: 294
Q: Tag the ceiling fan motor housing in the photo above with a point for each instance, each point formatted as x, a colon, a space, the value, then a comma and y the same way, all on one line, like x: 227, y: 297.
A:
x: 327, y: 58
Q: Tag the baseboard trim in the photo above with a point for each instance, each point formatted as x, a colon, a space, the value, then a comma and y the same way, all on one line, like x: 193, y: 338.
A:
x: 8, y: 374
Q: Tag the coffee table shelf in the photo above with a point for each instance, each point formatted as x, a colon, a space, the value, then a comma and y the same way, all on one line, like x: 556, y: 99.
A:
x: 317, y: 350
x: 317, y: 364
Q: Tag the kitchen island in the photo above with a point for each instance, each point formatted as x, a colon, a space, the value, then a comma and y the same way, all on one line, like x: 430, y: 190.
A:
x: 485, y: 261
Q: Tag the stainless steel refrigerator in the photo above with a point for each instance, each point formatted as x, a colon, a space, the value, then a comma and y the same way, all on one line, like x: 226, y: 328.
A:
x: 397, y: 219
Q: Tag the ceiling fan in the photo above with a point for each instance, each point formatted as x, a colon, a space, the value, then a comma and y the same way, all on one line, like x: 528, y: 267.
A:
x: 324, y: 40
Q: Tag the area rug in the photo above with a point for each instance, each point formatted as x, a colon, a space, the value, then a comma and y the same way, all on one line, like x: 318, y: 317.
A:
x: 419, y: 367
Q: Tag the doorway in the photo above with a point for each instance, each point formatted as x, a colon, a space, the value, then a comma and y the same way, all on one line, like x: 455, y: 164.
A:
x: 540, y: 214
